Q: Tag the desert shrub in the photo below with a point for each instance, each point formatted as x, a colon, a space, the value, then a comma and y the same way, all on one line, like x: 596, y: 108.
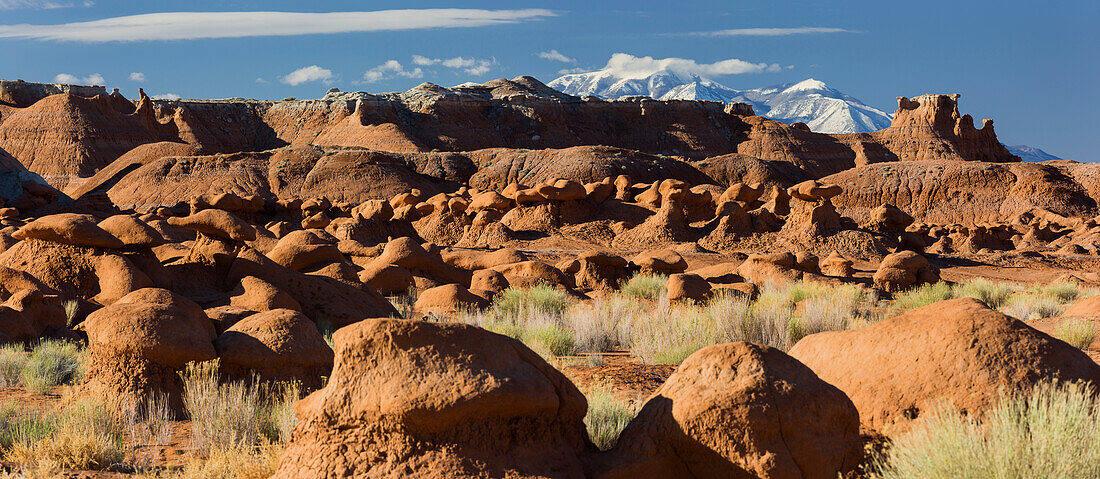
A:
x: 84, y: 435
x: 53, y: 363
x: 993, y: 293
x: 1063, y: 291
x: 670, y: 334
x: 1053, y: 431
x: 834, y: 309
x: 1078, y: 332
x: 71, y: 307
x: 732, y: 318
x: 597, y: 326
x: 1033, y: 306
x: 20, y: 425
x: 281, y: 418
x: 541, y: 330
x: 12, y: 360
x: 513, y: 301
x: 923, y: 295
x: 223, y: 415
x: 607, y: 417
x: 235, y: 463
x: 645, y: 286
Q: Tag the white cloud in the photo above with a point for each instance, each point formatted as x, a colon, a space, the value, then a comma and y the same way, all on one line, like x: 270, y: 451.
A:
x: 771, y: 32
x: 423, y: 60
x: 137, y: 76
x: 166, y: 96
x: 624, y: 65
x: 70, y: 79
x: 261, y: 80
x: 195, y: 25
x: 473, y: 66
x: 308, y: 74
x: 567, y: 71
x: 391, y: 69
x: 556, y: 56
x: 38, y: 4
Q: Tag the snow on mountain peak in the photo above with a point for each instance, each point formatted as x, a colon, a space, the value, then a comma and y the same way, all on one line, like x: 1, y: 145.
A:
x: 809, y: 101
x: 807, y: 84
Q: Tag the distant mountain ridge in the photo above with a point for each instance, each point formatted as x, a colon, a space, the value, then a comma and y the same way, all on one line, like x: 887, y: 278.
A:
x: 1031, y: 154
x: 810, y: 101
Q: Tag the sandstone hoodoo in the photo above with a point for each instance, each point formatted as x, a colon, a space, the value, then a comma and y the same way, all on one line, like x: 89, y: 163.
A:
x: 504, y: 280
x: 959, y: 351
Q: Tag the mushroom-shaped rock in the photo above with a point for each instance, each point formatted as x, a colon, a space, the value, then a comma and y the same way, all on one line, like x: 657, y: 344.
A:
x: 888, y: 219
x: 814, y: 191
x: 600, y: 270
x: 741, y: 410
x: 407, y: 253
x: 387, y: 279
x: 490, y: 200
x: 373, y: 210
x: 447, y: 299
x: 29, y: 313
x: 475, y: 403
x: 660, y: 261
x: 133, y: 232
x: 903, y: 270
x: 687, y: 286
x: 959, y: 350
x: 772, y: 267
x: 305, y: 249
x: 69, y: 228
x: 742, y: 193
x: 255, y: 294
x: 837, y: 266
x: 218, y: 224
x: 138, y: 347
x: 276, y: 345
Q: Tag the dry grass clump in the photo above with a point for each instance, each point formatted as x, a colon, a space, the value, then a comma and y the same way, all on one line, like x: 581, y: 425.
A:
x: 235, y: 414
x: 645, y: 286
x: 1053, y: 431
x: 1077, y: 332
x: 993, y: 294
x: 53, y: 363
x: 1063, y: 291
x: 1033, y: 306
x: 920, y: 296
x: 598, y: 326
x: 236, y: 463
x: 84, y: 435
x: 607, y: 417
x: 12, y: 360
x: 534, y: 316
x: 514, y: 301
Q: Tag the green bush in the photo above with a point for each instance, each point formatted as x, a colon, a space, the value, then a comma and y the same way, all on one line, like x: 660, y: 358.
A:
x: 1078, y: 332
x: 1052, y: 432
x: 993, y: 294
x: 53, y: 363
x: 607, y: 417
x: 513, y: 301
x: 922, y: 296
x: 1033, y: 306
x: 645, y: 286
x: 12, y: 360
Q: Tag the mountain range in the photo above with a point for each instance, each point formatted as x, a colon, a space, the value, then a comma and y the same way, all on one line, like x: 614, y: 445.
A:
x: 810, y: 101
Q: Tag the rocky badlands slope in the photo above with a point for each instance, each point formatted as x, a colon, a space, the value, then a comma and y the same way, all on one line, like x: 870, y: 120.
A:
x: 183, y: 231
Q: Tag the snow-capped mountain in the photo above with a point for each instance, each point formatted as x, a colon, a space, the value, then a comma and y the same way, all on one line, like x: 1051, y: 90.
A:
x: 1031, y: 154
x: 810, y: 101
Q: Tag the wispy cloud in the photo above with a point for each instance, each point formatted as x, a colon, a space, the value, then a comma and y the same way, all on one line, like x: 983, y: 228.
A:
x: 198, y: 25
x: 70, y: 79
x: 166, y: 96
x: 473, y: 66
x: 308, y: 74
x: 40, y: 4
x: 137, y: 76
x: 623, y: 65
x: 391, y: 69
x: 770, y: 32
x: 556, y: 56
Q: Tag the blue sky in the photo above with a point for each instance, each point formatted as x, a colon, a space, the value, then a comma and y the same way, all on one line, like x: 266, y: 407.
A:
x: 1032, y: 68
